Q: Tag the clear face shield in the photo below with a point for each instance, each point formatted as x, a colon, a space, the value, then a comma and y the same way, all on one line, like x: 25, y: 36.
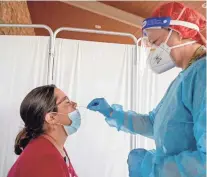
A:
x: 159, y: 58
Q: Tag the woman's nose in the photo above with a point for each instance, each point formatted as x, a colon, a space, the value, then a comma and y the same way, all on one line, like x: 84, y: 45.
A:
x: 74, y: 104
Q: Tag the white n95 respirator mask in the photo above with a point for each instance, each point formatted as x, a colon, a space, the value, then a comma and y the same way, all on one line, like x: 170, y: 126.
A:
x: 159, y: 59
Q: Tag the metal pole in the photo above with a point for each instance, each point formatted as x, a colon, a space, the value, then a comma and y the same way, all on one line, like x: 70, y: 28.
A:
x: 137, y: 45
x: 37, y: 26
x: 94, y: 31
x: 134, y: 90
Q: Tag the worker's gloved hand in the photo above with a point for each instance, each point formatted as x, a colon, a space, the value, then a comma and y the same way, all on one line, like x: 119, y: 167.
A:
x: 100, y: 105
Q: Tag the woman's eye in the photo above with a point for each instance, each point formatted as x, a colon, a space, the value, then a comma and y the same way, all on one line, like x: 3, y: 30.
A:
x: 154, y: 42
x: 67, y: 101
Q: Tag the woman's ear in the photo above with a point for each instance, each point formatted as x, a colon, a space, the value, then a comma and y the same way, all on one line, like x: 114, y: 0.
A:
x: 50, y: 118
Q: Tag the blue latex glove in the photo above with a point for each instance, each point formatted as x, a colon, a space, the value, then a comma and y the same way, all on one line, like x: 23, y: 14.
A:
x: 100, y: 105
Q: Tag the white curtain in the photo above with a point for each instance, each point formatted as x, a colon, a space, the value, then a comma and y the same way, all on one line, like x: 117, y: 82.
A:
x: 23, y: 66
x: 86, y: 70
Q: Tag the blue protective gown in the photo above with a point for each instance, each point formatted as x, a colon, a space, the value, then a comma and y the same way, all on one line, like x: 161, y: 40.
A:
x: 178, y: 126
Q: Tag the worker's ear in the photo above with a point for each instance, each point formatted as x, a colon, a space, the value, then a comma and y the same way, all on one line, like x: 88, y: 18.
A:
x: 50, y: 118
x: 176, y: 35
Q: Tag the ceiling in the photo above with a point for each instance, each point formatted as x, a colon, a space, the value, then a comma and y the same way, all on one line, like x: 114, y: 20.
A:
x: 117, y: 16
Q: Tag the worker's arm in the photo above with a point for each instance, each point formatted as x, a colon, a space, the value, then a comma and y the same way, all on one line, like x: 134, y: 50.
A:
x: 131, y: 122
x: 126, y: 121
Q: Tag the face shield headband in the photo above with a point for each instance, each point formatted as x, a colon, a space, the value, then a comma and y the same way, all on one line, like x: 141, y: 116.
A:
x: 165, y: 22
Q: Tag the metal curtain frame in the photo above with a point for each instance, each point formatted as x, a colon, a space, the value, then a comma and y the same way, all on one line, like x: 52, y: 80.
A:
x: 82, y: 30
x: 50, y: 43
x: 133, y: 71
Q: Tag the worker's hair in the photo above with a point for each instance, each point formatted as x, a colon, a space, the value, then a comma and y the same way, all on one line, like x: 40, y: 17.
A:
x: 34, y: 107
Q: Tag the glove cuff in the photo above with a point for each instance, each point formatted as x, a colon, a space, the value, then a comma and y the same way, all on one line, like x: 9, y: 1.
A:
x: 108, y: 112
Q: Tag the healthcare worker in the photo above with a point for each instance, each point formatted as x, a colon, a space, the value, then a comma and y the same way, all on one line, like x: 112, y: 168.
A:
x: 49, y: 118
x: 178, y: 123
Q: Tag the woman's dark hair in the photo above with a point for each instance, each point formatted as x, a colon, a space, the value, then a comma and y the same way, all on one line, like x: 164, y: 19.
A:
x: 34, y: 107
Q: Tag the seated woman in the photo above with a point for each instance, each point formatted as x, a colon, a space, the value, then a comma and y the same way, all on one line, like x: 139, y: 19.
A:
x: 49, y: 117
